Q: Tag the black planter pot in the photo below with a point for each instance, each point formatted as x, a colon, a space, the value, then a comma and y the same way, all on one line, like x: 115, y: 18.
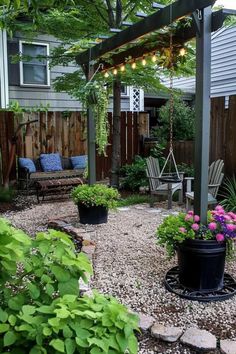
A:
x: 201, y: 264
x: 93, y: 214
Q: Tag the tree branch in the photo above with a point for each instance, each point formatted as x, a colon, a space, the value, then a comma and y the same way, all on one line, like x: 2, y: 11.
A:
x: 110, y: 14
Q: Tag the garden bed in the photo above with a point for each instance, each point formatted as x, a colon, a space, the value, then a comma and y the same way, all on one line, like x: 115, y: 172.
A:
x: 129, y: 265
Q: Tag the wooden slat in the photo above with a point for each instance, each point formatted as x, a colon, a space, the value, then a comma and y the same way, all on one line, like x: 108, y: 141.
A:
x: 129, y: 137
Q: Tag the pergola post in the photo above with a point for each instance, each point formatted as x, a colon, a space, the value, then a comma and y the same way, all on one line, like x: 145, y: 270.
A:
x: 203, y: 101
x: 91, y: 136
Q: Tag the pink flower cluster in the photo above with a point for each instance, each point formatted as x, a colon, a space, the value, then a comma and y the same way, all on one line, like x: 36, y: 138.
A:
x: 221, y: 225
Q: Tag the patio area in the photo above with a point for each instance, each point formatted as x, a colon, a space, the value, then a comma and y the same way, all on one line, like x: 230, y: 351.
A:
x: 131, y: 266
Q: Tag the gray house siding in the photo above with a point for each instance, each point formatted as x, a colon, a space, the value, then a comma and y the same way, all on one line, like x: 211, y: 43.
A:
x: 223, y: 66
x: 35, y: 96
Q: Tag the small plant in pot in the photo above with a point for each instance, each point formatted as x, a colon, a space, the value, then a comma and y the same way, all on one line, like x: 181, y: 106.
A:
x: 94, y: 201
x: 201, y: 249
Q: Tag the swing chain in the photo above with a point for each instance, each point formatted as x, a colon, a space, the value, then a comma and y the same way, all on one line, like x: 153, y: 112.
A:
x: 171, y: 111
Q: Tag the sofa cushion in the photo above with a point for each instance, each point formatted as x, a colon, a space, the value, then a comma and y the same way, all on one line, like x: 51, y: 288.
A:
x: 26, y: 162
x: 50, y: 162
x: 79, y: 161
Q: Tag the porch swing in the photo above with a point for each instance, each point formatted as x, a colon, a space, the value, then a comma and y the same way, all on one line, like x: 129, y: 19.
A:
x: 168, y: 181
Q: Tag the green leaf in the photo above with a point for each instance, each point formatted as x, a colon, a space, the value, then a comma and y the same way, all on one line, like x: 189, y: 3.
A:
x: 67, y: 332
x: 70, y: 287
x: 95, y: 350
x: 34, y: 291
x: 9, y: 338
x: 70, y: 346
x: 82, y: 342
x: 28, y: 310
x: 4, y: 327
x: 16, y: 302
x: 62, y: 312
x: 3, y: 316
x: 60, y: 273
x: 133, y: 344
x: 45, y: 309
x: 58, y: 344
x: 49, y: 289
x: 99, y: 343
x: 47, y: 331
x: 122, y: 341
x: 12, y: 320
x: 35, y: 350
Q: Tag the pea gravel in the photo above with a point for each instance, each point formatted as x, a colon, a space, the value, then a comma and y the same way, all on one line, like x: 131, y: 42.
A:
x: 129, y: 265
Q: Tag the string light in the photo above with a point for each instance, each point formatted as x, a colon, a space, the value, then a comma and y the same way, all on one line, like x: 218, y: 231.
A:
x: 154, y: 58
x: 115, y: 71
x: 144, y: 61
x: 122, y: 68
x: 182, y: 52
x: 106, y: 74
x: 133, y: 65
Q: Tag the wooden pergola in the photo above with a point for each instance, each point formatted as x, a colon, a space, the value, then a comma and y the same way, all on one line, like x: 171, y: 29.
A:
x: 203, y: 22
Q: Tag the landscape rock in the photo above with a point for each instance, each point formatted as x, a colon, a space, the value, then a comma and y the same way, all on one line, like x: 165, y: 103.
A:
x: 228, y: 346
x: 167, y: 333
x: 145, y: 322
x: 200, y: 339
x: 83, y: 287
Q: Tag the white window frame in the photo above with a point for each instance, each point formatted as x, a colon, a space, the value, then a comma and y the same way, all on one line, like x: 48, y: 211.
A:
x: 21, y: 43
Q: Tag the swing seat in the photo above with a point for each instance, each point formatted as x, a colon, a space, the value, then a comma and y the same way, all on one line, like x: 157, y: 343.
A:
x: 156, y: 187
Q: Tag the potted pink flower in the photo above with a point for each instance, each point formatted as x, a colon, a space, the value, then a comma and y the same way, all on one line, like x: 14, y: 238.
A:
x: 201, y: 249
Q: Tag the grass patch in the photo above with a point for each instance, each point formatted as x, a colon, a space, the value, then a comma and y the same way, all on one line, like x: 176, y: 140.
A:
x: 133, y: 199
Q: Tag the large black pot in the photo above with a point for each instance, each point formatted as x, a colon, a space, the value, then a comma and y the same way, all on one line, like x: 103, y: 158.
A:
x: 201, y: 264
x: 93, y: 214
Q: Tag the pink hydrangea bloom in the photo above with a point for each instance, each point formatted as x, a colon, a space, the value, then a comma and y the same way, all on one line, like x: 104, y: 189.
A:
x: 232, y: 215
x: 188, y: 217
x: 190, y: 212
x: 196, y: 218
x: 195, y: 227
x: 220, y: 237
x: 231, y: 227
x: 212, y: 226
x: 183, y: 230
x: 219, y: 208
x: 227, y: 217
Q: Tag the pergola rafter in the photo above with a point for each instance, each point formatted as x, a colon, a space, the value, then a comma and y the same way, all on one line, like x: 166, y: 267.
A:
x: 203, y: 23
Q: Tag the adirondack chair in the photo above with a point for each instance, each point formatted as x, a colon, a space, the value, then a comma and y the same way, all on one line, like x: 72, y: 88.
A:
x: 215, y: 178
x: 156, y: 187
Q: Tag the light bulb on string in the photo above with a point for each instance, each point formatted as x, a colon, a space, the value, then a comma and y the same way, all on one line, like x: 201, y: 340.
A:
x: 106, y: 74
x: 115, y: 72
x: 154, y: 58
x: 133, y: 65
x: 144, y: 61
x: 182, y: 52
x: 122, y: 68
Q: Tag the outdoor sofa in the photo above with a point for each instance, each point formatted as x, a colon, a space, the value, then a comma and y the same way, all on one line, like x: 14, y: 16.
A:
x: 31, y: 171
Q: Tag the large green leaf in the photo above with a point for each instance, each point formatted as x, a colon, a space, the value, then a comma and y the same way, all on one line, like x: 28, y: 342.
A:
x: 61, y: 274
x: 9, y: 338
x: 69, y: 287
x: 70, y: 346
x: 58, y: 344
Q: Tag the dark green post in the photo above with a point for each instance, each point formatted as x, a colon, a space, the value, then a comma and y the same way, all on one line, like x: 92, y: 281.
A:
x: 91, y: 136
x: 203, y: 90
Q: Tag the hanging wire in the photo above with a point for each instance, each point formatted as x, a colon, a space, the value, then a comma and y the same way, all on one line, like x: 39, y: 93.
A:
x: 171, y: 175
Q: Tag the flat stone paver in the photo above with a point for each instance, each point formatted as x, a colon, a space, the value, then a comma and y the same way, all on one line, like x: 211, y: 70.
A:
x: 198, y: 338
x: 167, y: 333
x: 228, y: 346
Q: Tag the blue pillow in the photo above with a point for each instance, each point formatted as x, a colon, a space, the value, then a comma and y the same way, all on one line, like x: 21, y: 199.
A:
x: 79, y: 161
x: 51, y: 162
x: 25, y: 162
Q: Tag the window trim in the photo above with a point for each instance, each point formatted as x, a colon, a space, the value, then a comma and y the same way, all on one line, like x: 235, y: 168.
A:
x: 47, y: 85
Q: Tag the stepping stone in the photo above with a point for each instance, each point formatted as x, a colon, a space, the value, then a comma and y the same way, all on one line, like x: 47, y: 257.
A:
x: 123, y: 209
x: 228, y: 346
x: 154, y: 211
x: 200, y: 339
x: 145, y: 322
x: 83, y: 287
x: 166, y: 333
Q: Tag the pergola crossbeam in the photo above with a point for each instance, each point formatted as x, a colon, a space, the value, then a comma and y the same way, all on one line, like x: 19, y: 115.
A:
x: 157, y: 20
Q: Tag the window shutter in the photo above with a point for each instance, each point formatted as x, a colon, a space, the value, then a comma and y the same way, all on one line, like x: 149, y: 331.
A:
x: 13, y: 69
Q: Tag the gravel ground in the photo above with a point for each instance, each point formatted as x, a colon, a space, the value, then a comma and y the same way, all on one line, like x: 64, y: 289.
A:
x: 129, y: 265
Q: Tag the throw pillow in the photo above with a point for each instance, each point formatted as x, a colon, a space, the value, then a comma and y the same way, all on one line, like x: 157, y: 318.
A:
x: 50, y: 162
x: 26, y: 162
x: 79, y: 161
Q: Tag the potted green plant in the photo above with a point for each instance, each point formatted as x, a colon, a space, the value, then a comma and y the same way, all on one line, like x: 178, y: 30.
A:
x: 94, y: 201
x: 201, y: 249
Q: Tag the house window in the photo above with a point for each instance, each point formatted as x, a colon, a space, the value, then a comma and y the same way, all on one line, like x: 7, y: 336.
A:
x: 34, y: 68
x: 123, y: 90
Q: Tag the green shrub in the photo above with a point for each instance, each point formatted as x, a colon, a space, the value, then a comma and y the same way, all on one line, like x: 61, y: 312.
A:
x: 41, y: 311
x: 97, y: 194
x: 183, y: 121
x: 134, y: 174
x: 187, y: 169
x: 6, y: 194
x: 229, y: 194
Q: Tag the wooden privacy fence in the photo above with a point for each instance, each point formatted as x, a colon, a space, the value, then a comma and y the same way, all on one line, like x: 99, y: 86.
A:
x: 66, y: 134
